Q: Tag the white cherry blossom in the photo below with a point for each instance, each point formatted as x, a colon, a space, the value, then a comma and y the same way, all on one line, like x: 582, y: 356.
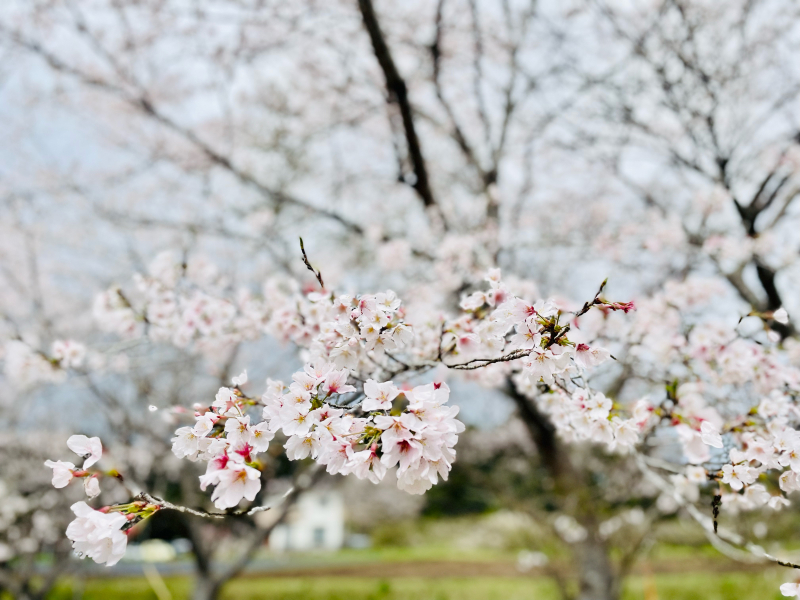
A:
x: 89, y: 448
x: 379, y: 396
x: 97, y: 535
x: 709, y: 433
x: 737, y: 476
x: 62, y: 472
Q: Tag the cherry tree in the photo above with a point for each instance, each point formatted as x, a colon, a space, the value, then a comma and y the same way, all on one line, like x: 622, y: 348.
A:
x: 373, y: 341
x: 488, y: 129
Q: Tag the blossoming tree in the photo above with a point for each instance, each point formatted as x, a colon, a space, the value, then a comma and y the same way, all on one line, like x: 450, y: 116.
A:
x: 671, y: 121
x: 348, y: 411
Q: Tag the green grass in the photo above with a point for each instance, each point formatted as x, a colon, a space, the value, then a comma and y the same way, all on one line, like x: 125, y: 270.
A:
x: 394, y: 554
x: 693, y: 586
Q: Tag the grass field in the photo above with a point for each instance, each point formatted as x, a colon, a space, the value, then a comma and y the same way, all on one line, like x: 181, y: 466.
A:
x: 692, y: 586
x: 436, y: 569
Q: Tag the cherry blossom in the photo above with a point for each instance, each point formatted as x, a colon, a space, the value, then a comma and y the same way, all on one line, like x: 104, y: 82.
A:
x: 62, y: 472
x: 185, y: 444
x: 240, y: 379
x: 98, y: 535
x: 89, y: 448
x: 69, y: 353
x: 710, y: 434
x: 737, y: 476
x: 234, y: 482
x: 790, y: 589
x: 379, y: 396
x: 91, y: 485
x: 587, y: 357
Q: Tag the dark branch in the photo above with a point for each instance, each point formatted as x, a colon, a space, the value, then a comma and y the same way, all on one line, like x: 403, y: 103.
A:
x: 316, y: 273
x: 398, y: 93
x: 479, y: 363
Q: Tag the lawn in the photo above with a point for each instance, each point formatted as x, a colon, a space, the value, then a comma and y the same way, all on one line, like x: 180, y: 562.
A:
x: 692, y: 586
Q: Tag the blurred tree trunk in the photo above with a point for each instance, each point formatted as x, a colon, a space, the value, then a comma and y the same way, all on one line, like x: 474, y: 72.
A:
x: 597, y: 578
x: 205, y: 588
x: 206, y: 585
x: 209, y: 584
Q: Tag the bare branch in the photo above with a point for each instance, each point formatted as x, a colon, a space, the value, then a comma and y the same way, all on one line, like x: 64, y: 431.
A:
x: 316, y: 273
x: 478, y: 363
x: 398, y: 93
x: 142, y: 103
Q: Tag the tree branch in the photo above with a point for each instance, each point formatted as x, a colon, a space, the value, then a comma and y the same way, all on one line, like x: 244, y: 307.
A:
x: 140, y: 101
x: 398, y: 93
x: 316, y: 273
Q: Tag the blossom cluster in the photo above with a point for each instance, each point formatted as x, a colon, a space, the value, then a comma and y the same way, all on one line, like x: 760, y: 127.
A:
x: 181, y: 304
x: 408, y: 428
x: 373, y: 426
x: 91, y: 449
x: 587, y: 415
x: 736, y: 403
x: 731, y: 408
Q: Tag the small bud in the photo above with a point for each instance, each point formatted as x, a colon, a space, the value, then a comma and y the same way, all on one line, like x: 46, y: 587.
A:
x: 625, y: 307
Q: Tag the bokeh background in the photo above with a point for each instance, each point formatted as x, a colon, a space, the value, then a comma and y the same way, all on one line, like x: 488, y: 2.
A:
x: 412, y: 145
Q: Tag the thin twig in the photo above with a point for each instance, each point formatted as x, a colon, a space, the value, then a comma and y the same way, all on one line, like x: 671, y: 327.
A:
x: 212, y: 515
x: 595, y: 300
x: 477, y: 363
x: 317, y: 274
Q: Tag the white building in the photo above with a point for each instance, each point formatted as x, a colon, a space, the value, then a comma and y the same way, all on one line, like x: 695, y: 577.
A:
x: 315, y: 522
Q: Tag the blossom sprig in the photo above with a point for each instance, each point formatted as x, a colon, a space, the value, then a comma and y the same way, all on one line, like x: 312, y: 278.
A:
x: 732, y: 408
x: 91, y: 450
x: 27, y: 365
x: 747, y: 451
x: 364, y: 340
x: 98, y: 534
x: 419, y: 439
x: 101, y: 534
x: 723, y: 539
x: 354, y: 407
x: 523, y: 338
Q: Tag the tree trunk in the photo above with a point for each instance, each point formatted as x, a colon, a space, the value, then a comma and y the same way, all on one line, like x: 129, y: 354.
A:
x: 597, y: 579
x: 205, y: 588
